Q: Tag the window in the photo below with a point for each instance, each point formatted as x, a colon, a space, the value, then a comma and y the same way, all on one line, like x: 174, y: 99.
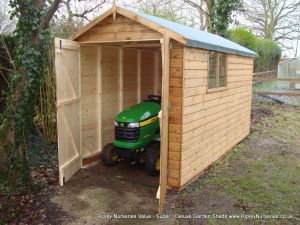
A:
x: 217, y: 70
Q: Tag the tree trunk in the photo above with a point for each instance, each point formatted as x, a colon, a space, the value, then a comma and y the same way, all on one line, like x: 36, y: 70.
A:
x: 20, y: 109
x: 209, y: 4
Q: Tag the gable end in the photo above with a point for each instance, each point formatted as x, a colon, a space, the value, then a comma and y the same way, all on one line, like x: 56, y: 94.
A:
x: 120, y: 29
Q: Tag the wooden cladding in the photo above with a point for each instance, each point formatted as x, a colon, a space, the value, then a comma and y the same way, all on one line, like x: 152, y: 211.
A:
x: 110, y: 92
x: 90, y: 100
x: 204, y: 126
x: 122, y: 29
x: 175, y: 114
x: 212, y: 123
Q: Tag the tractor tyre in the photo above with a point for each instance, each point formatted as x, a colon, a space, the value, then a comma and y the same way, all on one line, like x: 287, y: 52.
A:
x: 109, y: 156
x: 152, y: 159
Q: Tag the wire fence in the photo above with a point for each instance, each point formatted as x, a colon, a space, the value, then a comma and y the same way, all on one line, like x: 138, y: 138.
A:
x: 277, y: 86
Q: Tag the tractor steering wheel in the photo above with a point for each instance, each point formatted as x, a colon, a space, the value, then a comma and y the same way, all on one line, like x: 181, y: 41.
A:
x: 155, y: 98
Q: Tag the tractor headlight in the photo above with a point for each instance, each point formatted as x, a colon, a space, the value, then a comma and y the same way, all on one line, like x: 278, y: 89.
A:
x: 116, y: 123
x: 133, y: 125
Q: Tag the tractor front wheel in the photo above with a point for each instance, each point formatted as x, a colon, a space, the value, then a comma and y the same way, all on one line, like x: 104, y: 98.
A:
x: 109, y: 155
x: 152, y: 160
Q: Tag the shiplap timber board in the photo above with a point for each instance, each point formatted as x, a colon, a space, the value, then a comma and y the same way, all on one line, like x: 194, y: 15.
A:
x: 175, y: 114
x: 90, y: 100
x: 110, y: 92
x: 122, y: 29
x: 130, y: 77
x: 212, y: 123
x: 147, y: 73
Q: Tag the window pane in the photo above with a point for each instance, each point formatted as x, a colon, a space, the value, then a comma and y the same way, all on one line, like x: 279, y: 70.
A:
x: 212, y: 70
x: 222, y: 70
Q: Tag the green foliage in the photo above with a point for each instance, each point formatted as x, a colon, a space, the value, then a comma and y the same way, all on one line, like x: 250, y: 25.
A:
x: 31, y: 50
x: 268, y: 55
x: 243, y: 37
x: 14, y: 174
x: 221, y: 15
x: 45, y: 110
x: 268, y: 51
x: 29, y: 63
x: 40, y: 153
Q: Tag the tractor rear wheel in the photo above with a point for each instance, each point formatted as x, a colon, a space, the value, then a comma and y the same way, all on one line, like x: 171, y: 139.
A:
x: 109, y: 155
x: 152, y: 160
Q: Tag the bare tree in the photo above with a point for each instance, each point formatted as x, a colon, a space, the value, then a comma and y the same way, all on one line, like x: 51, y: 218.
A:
x: 7, y: 25
x: 276, y: 20
x: 297, y: 44
x: 168, y: 9
x: 215, y: 15
x: 203, y: 9
x: 73, y: 14
x: 84, y: 10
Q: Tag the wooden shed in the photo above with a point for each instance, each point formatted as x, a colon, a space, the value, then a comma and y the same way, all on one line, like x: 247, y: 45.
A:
x: 123, y: 56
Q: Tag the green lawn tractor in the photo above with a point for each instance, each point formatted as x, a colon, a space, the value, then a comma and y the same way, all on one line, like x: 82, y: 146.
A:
x: 137, y: 137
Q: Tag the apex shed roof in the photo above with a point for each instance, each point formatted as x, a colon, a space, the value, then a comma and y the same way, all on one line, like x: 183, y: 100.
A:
x: 193, y: 36
x: 199, y: 39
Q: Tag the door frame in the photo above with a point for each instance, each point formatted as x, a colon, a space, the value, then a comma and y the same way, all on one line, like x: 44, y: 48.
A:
x: 164, y: 131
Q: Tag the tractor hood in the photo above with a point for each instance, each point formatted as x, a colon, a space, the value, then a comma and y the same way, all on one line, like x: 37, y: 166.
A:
x: 139, y: 112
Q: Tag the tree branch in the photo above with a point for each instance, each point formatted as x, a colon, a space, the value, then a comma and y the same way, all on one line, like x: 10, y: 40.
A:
x: 49, y: 14
x: 198, y: 7
x: 46, y: 20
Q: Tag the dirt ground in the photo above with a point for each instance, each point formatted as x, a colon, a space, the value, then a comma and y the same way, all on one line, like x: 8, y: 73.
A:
x: 97, y: 190
x: 260, y: 176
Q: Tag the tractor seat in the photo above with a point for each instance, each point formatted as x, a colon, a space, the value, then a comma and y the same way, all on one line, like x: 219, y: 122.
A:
x: 154, y: 98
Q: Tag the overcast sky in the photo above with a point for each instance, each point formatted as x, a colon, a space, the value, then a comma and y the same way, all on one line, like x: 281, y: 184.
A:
x: 128, y: 3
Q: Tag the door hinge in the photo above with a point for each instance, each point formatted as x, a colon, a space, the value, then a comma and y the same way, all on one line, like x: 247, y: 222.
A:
x: 60, y: 44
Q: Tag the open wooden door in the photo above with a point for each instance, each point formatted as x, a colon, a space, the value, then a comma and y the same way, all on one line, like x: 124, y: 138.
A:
x: 164, y: 131
x: 67, y: 65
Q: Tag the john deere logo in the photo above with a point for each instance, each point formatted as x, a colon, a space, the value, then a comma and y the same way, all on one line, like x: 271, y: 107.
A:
x: 122, y: 124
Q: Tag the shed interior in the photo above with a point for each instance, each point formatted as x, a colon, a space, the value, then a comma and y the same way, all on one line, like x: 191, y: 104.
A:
x: 114, y: 76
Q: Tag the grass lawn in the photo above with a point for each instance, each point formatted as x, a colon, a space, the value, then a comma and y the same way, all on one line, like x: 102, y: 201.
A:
x: 261, y: 175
